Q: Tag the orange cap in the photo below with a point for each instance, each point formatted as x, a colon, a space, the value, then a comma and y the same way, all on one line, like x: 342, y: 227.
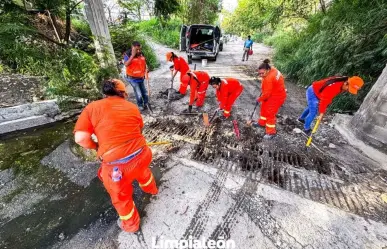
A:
x: 169, y: 56
x: 355, y: 83
x: 119, y: 85
x: 186, y: 78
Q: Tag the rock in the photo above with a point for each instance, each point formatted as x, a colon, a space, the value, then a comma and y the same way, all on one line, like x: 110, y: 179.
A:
x: 297, y: 130
x: 61, y: 236
x: 35, y: 99
x: 332, y: 146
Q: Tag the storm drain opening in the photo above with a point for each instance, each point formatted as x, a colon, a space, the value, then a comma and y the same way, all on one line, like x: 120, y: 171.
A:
x: 312, y: 176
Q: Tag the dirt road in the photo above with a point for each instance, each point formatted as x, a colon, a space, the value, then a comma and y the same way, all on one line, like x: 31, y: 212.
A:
x: 259, y: 194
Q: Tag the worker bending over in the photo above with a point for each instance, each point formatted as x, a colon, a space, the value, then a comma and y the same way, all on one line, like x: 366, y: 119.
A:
x: 321, y: 93
x: 121, y: 147
x: 179, y: 65
x: 198, y: 82
x: 227, y: 91
x: 272, y: 98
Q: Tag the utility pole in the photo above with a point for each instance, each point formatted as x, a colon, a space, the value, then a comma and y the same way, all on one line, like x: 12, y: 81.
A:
x: 95, y: 15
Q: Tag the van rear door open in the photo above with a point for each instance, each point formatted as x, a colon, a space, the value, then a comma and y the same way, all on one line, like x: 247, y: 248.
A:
x: 183, y: 39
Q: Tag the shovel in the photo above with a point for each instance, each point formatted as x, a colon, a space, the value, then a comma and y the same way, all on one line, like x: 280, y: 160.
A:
x: 213, y: 116
x: 171, y: 90
x: 149, y: 92
x: 252, y: 114
x: 314, y: 130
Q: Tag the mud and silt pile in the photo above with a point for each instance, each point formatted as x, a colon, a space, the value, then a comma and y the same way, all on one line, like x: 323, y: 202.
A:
x: 284, y: 161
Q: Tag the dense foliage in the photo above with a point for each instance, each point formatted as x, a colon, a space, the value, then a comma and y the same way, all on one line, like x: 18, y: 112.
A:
x: 347, y: 37
x: 28, y: 45
x: 167, y: 33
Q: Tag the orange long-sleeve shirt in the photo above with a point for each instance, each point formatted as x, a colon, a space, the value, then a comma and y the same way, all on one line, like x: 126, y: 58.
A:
x: 227, y: 87
x: 199, y: 85
x: 273, y: 85
x: 117, y: 123
x: 327, y: 95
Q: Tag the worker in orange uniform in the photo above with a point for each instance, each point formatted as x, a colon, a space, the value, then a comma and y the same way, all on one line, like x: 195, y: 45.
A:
x: 121, y: 147
x: 321, y: 93
x: 227, y: 91
x: 136, y: 72
x: 198, y: 82
x: 272, y: 98
x: 179, y: 65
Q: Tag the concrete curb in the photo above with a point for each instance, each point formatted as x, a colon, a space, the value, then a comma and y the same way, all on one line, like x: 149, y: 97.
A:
x: 341, y: 123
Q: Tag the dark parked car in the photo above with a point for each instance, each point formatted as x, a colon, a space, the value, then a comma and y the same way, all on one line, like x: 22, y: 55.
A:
x: 201, y: 40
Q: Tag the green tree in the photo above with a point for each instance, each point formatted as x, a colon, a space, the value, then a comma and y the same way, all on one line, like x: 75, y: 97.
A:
x: 164, y: 8
x: 133, y: 7
x: 199, y: 11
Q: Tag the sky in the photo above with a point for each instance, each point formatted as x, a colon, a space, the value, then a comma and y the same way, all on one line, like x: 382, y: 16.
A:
x: 229, y: 5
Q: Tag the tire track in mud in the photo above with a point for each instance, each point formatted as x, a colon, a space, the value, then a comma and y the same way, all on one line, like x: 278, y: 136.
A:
x: 258, y: 210
x: 230, y: 218
x: 201, y: 216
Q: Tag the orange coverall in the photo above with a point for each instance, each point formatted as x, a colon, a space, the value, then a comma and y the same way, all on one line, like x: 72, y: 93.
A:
x: 272, y: 98
x: 181, y: 65
x: 117, y: 124
x: 229, y: 90
x: 198, y: 84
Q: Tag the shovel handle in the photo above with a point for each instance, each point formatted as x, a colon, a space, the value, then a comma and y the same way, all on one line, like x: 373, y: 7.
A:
x: 158, y: 143
x: 314, y: 130
x: 255, y: 108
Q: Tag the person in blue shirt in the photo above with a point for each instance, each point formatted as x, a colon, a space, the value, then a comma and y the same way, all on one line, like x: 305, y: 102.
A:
x: 246, y: 48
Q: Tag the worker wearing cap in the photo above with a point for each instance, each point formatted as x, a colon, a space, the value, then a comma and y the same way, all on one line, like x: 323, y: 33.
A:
x: 272, y: 98
x: 179, y: 65
x: 121, y: 147
x: 321, y: 94
x: 198, y: 82
x: 227, y: 91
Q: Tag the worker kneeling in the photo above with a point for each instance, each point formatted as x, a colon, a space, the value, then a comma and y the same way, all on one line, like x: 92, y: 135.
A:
x: 227, y: 91
x: 121, y: 147
x: 272, y: 98
x: 198, y: 82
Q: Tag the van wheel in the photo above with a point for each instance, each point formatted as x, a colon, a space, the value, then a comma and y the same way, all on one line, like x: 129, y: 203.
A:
x: 189, y: 59
x: 214, y: 59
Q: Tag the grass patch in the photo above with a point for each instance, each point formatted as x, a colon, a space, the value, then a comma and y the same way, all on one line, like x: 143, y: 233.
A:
x: 167, y: 34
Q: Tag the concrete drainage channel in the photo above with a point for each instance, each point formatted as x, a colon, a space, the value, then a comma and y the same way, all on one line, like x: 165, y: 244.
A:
x: 310, y: 175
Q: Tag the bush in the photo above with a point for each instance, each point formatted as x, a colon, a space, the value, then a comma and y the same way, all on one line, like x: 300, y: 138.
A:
x: 122, y: 38
x: 165, y: 33
x: 350, y: 39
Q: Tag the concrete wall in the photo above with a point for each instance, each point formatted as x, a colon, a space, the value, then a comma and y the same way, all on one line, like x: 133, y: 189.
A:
x: 370, y: 122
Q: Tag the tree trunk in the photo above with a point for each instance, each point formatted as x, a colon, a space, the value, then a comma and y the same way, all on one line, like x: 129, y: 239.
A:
x: 68, y: 25
x: 370, y: 121
x: 322, y: 6
x: 96, y: 17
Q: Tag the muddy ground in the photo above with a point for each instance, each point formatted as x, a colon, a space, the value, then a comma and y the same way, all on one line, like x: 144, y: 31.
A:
x: 260, y: 194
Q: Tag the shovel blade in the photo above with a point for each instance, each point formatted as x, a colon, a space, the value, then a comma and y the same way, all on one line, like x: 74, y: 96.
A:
x: 205, y: 119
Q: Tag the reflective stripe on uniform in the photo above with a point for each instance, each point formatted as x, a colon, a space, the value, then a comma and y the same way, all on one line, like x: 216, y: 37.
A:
x: 148, y: 182
x: 263, y: 118
x: 225, y: 81
x: 127, y: 217
x: 226, y: 112
x: 270, y: 126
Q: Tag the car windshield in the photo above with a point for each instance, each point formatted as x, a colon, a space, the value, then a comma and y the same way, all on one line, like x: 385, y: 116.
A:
x: 205, y: 31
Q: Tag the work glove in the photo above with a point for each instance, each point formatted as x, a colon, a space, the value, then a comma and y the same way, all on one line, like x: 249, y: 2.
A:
x: 190, y: 108
x: 171, y: 68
